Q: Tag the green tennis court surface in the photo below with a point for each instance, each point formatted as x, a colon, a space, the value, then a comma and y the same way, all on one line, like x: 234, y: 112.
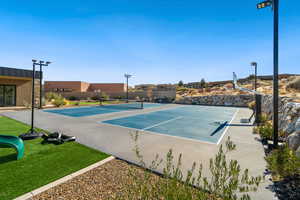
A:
x: 205, y: 123
x: 98, y: 110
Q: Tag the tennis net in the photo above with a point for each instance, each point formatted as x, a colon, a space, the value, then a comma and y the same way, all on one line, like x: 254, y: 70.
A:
x: 122, y: 104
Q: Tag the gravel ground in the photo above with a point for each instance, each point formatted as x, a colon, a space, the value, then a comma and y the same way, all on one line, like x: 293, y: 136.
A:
x: 104, y: 182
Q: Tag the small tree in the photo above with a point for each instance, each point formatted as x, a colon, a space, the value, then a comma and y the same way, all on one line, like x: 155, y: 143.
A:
x: 202, y: 83
x: 180, y: 84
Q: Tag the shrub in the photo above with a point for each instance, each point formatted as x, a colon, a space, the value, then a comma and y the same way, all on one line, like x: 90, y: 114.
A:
x: 104, y: 96
x: 101, y: 95
x: 283, y: 162
x: 263, y: 118
x: 227, y: 179
x: 26, y: 104
x: 266, y: 130
x: 294, y: 84
x: 95, y: 98
x: 77, y: 103
x: 182, y: 89
x: 180, y: 83
x: 203, y: 84
x: 119, y: 97
x: 59, y: 102
x: 73, y: 98
x: 251, y: 105
x: 51, y: 96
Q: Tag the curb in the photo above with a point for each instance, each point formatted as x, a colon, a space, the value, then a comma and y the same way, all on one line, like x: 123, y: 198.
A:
x: 63, y: 179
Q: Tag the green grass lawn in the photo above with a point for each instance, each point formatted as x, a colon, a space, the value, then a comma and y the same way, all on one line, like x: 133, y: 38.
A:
x: 41, y: 164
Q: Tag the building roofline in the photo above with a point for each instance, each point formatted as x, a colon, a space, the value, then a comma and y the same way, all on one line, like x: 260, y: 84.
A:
x: 17, y: 72
x: 107, y: 83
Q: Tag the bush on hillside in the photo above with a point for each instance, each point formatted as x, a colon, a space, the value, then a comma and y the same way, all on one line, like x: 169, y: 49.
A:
x: 294, y: 84
x: 180, y: 83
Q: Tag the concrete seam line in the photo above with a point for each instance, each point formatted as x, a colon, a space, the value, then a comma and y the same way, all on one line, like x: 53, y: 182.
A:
x: 63, y: 179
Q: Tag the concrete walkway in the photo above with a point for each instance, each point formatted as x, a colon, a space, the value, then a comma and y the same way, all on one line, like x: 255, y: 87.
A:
x: 117, y: 141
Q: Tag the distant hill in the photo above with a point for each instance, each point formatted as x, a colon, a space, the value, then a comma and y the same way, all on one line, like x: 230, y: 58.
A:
x: 197, y: 85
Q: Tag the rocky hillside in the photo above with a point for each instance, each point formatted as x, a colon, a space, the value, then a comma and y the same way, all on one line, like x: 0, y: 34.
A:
x: 289, y: 87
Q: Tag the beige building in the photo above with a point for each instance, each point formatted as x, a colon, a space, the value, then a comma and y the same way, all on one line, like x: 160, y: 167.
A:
x: 15, y: 87
x: 80, y: 86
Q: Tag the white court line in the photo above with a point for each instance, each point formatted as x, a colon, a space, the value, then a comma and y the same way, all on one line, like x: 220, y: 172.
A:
x: 164, y: 122
x: 224, y: 132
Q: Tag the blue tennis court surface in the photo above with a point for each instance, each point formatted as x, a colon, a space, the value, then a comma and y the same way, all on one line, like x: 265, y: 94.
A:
x: 194, y: 122
x: 97, y: 110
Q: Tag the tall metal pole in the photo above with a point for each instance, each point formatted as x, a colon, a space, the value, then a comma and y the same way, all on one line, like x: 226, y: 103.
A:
x: 32, y: 97
x: 255, y: 78
x: 254, y: 64
x: 275, y: 78
x: 41, y: 79
x: 127, y: 93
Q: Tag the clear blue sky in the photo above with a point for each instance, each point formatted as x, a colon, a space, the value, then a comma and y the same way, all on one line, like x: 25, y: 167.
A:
x: 158, y: 41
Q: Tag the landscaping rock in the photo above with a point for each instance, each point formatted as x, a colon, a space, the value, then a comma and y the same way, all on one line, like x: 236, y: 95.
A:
x: 105, y: 182
x: 218, y: 100
x: 293, y: 141
x: 297, y: 126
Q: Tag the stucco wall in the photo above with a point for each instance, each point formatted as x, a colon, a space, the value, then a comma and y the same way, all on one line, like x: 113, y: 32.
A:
x: 75, y: 86
x: 23, y: 90
x: 107, y: 87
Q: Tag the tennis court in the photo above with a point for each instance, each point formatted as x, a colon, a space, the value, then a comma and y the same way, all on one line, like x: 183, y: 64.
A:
x: 98, y: 110
x: 203, y: 123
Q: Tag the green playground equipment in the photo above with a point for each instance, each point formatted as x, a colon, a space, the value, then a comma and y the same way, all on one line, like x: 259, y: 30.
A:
x: 8, y: 141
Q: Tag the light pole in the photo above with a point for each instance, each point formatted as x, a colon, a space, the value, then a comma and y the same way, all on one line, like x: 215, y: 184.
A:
x: 254, y: 64
x: 275, y: 5
x: 41, y: 64
x: 32, y: 134
x: 127, y: 76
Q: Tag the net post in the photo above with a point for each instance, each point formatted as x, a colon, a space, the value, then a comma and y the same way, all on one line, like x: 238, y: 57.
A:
x: 257, y: 108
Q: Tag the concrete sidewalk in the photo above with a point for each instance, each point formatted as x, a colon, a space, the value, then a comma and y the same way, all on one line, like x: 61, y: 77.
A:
x: 117, y: 141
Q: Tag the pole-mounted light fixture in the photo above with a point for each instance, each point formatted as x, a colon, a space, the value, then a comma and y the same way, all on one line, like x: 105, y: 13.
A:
x: 264, y: 4
x: 275, y: 5
x: 41, y: 64
x: 254, y: 64
x: 32, y: 134
x: 127, y: 76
